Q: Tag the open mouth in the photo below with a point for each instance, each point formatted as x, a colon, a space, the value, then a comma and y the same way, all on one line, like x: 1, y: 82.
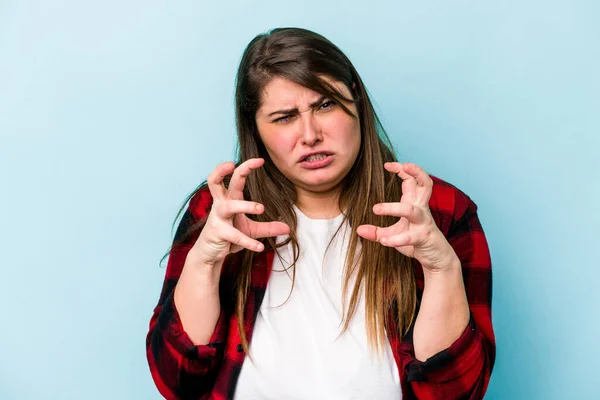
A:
x: 316, y: 157
x: 317, y: 161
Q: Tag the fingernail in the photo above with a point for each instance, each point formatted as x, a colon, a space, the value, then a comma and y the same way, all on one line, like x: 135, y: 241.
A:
x: 377, y: 208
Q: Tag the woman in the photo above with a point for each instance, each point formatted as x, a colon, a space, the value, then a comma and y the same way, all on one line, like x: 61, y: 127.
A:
x: 319, y: 267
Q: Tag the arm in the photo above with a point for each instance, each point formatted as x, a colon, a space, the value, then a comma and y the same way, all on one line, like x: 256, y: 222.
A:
x: 465, y: 346
x: 196, y: 298
x: 184, y: 357
x: 444, y: 311
x: 188, y: 330
x: 439, y: 229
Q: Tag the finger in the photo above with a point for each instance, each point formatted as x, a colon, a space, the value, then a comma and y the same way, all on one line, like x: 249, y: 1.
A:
x: 368, y: 232
x: 238, y: 180
x: 411, y: 212
x: 424, y: 183
x: 394, y: 229
x: 376, y: 233
x: 407, y: 238
x: 417, y: 185
x: 397, y: 168
x: 409, y: 184
x: 421, y: 177
x: 234, y: 236
x: 228, y: 208
x: 268, y: 229
x: 406, y: 169
x: 215, y: 180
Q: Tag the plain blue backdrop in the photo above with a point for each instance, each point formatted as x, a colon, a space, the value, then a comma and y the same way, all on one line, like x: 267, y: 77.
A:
x: 112, y: 112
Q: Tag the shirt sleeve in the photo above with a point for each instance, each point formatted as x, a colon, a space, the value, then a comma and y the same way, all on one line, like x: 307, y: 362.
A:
x: 463, y: 370
x: 180, y: 369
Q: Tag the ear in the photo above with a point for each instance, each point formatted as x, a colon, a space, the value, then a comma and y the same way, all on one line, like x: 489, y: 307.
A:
x: 353, y: 85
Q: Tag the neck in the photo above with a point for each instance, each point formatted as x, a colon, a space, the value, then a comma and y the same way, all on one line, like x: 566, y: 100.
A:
x: 318, y: 205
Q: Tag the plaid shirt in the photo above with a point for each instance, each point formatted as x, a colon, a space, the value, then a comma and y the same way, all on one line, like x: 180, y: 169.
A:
x: 182, y: 370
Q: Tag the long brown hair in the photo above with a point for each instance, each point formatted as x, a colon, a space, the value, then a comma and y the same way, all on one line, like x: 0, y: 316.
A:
x: 387, y: 276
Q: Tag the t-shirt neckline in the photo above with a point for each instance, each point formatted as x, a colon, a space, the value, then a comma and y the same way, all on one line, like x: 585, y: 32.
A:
x: 300, y: 214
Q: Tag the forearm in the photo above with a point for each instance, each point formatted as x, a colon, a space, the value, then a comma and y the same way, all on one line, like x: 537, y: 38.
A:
x: 444, y: 311
x: 197, y: 300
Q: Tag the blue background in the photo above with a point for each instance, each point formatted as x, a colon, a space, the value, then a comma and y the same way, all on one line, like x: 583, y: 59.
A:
x: 112, y: 112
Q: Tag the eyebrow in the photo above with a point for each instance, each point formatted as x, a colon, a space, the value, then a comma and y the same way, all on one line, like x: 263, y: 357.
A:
x: 295, y: 110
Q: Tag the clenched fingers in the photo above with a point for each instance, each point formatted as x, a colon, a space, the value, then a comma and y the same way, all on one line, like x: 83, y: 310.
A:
x: 229, y: 234
x: 215, y: 180
x: 238, y: 180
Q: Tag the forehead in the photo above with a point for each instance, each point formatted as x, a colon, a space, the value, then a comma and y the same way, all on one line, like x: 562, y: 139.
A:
x: 281, y: 93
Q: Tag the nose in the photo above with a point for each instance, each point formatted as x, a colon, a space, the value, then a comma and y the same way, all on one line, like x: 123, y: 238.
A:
x: 310, y: 129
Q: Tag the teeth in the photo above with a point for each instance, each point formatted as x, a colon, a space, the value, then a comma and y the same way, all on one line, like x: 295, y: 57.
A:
x: 316, y: 157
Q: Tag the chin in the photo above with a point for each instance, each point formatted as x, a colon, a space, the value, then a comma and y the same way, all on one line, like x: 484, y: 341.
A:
x: 320, y: 185
x: 317, y: 180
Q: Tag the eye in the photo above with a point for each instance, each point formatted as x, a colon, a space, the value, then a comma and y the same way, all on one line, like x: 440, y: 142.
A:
x: 327, y: 105
x: 282, y: 119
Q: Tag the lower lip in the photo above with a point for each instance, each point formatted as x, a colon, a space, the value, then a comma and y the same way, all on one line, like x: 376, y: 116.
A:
x: 317, y: 163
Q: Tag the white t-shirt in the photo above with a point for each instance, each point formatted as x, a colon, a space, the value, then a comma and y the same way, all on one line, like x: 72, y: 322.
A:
x: 296, y: 346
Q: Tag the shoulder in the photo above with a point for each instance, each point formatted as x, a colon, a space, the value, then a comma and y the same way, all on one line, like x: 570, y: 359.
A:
x: 448, y: 204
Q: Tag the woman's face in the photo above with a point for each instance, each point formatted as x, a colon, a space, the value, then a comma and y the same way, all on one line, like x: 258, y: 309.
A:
x: 294, y: 121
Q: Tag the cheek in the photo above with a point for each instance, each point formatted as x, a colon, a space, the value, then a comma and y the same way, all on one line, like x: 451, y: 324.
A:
x: 278, y: 144
x: 345, y: 129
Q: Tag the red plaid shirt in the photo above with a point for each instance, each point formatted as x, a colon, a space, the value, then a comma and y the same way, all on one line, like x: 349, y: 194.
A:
x: 182, y: 370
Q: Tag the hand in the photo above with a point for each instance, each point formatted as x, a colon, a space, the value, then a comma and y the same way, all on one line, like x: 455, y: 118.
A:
x: 415, y: 235
x: 228, y: 229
